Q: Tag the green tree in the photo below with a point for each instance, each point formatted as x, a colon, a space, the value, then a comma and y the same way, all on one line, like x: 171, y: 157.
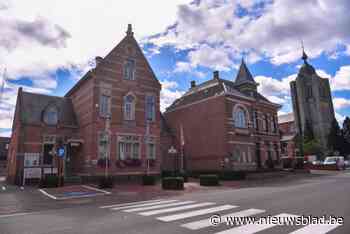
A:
x: 335, y: 137
x: 312, y: 147
x: 308, y: 132
x: 346, y: 135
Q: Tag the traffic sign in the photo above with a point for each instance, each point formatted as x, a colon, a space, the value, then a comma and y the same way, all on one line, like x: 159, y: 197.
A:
x: 61, y: 152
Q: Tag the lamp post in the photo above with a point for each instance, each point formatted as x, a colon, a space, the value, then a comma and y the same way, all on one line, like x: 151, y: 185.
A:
x: 173, y: 151
x: 147, y: 134
x: 107, y: 127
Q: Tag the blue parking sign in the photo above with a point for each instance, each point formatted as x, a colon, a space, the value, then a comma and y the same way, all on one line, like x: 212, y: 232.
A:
x: 61, y: 152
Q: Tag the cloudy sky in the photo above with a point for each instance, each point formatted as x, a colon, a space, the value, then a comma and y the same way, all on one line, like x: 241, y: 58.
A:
x: 46, y: 46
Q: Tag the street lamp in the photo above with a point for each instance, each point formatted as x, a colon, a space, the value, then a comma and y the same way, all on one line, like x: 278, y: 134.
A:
x: 107, y: 127
x: 173, y: 151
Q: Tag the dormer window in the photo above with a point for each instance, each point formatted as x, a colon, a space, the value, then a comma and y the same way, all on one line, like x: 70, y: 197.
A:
x: 51, y: 115
x: 129, y: 69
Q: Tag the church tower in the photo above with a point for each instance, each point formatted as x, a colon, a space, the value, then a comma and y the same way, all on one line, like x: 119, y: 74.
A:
x: 312, y: 102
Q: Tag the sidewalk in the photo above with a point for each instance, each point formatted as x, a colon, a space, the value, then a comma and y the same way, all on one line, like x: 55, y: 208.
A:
x: 14, y: 199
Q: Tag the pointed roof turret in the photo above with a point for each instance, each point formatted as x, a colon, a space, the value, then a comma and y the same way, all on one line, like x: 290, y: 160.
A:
x: 129, y: 32
x: 306, y: 68
x: 244, y: 75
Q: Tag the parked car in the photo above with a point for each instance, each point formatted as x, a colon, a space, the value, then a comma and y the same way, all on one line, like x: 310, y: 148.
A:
x: 317, y: 162
x: 347, y: 164
x: 335, y: 160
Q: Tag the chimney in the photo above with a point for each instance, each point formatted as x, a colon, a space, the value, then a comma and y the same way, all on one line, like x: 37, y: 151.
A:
x: 129, y: 32
x: 216, y: 75
x: 98, y: 60
x: 193, y: 84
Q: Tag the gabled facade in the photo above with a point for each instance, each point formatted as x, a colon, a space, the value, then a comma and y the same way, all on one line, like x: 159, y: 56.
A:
x: 117, y: 105
x: 115, y: 114
x: 225, y: 125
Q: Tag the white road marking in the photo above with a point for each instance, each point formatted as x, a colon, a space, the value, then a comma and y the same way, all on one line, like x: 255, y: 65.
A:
x: 159, y: 206
x: 205, y: 222
x: 47, y: 194
x: 316, y: 228
x: 142, y: 205
x: 12, y: 215
x: 195, y: 213
x: 129, y: 203
x: 253, y: 228
x: 153, y: 212
x: 96, y: 189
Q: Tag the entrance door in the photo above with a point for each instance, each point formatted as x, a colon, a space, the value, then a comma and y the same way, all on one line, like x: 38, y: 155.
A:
x: 47, y: 157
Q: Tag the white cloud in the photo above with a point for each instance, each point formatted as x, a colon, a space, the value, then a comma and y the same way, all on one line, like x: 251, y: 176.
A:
x: 341, y: 80
x: 340, y: 118
x: 168, y: 94
x: 6, y: 133
x: 183, y: 67
x: 186, y: 67
x: 341, y: 103
x: 49, y: 35
x: 215, y: 58
x: 274, y: 29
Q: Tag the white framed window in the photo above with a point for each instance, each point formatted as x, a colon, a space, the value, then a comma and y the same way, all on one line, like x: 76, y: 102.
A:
x: 240, y: 118
x: 129, y: 107
x: 104, y: 105
x: 272, y: 124
x: 128, y: 147
x: 244, y: 158
x: 51, y: 115
x: 150, y: 107
x: 103, y: 145
x: 135, y: 150
x: 129, y: 69
x: 151, y: 151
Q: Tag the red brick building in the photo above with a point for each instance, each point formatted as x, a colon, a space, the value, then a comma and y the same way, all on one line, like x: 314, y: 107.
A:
x: 287, y: 128
x: 4, y: 145
x: 112, y: 112
x: 221, y: 124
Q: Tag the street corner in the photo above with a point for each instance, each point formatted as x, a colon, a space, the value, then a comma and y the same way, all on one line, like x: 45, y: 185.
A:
x: 74, y: 191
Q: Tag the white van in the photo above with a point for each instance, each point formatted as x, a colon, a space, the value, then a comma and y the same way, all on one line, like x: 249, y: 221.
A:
x: 335, y: 160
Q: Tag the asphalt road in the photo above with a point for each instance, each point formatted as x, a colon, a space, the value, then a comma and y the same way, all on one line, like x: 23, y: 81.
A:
x: 316, y: 196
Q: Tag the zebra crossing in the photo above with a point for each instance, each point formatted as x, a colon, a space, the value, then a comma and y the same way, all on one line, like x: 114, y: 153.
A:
x: 176, y: 210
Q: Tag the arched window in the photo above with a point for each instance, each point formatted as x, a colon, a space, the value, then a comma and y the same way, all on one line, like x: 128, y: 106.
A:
x: 240, y: 118
x: 51, y: 115
x: 129, y: 107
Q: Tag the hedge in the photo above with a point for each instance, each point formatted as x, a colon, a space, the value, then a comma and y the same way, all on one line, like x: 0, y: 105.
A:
x: 50, y: 181
x: 148, y: 180
x: 233, y: 175
x: 106, y: 182
x: 209, y: 180
x: 173, y: 183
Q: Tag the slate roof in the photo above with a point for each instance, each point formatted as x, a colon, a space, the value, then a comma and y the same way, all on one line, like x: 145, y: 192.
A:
x: 244, y: 75
x: 33, y: 105
x: 286, y: 118
x: 208, y: 89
